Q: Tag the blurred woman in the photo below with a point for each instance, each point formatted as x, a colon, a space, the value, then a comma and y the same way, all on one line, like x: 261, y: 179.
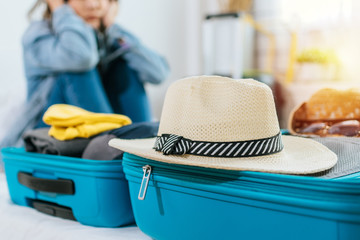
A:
x: 77, y: 55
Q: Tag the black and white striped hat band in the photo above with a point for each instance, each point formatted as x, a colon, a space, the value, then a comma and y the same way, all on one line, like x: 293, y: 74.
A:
x: 171, y: 144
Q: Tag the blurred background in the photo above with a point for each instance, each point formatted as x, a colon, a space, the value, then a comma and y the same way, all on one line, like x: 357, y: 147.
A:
x: 296, y: 47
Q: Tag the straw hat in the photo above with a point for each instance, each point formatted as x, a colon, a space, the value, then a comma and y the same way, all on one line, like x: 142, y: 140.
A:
x: 222, y: 123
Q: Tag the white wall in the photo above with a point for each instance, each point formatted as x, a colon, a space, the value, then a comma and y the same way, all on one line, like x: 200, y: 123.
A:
x: 12, y: 24
x: 170, y: 27
x: 12, y: 82
x: 173, y: 29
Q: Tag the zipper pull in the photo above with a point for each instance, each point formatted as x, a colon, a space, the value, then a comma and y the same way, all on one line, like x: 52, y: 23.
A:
x: 144, y: 182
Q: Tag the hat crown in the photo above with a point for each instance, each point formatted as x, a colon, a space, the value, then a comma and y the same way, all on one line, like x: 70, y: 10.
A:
x: 219, y: 109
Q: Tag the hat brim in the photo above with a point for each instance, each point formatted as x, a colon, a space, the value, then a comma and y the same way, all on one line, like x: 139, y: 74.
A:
x: 299, y: 156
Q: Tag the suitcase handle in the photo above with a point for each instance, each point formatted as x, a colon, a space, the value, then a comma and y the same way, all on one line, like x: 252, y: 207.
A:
x: 53, y: 209
x: 61, y: 186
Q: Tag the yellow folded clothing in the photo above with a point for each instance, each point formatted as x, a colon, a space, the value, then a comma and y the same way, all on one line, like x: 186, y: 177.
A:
x: 69, y: 122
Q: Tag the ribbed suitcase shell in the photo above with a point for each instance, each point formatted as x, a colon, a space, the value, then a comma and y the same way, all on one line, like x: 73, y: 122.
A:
x: 101, y: 196
x: 184, y: 202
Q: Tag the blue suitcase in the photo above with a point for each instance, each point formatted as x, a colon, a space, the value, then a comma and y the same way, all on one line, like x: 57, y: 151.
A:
x: 90, y: 191
x: 184, y: 202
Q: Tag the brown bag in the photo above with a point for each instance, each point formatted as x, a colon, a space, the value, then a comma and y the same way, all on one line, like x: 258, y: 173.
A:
x: 329, y: 112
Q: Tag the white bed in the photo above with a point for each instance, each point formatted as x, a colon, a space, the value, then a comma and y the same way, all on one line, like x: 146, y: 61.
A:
x: 24, y: 223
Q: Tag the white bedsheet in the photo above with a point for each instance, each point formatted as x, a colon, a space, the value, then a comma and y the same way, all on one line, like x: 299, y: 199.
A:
x: 24, y: 223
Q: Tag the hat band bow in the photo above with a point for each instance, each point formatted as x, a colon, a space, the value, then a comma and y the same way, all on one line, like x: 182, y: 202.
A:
x: 171, y: 144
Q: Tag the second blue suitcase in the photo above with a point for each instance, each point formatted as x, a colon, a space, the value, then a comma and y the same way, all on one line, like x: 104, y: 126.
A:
x: 92, y: 192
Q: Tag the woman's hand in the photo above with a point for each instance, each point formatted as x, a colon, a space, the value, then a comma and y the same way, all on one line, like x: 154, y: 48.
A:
x: 111, y: 13
x: 54, y: 4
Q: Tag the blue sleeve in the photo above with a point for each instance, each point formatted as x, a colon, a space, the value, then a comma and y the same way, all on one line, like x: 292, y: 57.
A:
x: 150, y: 66
x: 68, y: 45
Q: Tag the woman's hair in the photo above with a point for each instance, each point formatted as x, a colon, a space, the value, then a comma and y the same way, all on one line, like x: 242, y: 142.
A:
x: 38, y: 3
x: 47, y: 12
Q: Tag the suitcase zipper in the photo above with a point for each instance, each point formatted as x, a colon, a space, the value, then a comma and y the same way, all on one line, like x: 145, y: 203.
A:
x: 144, y: 182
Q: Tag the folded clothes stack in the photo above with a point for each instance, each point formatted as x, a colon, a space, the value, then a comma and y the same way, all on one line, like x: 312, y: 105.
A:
x: 76, y: 132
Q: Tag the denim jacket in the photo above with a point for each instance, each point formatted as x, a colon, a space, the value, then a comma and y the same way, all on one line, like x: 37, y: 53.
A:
x: 68, y: 44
